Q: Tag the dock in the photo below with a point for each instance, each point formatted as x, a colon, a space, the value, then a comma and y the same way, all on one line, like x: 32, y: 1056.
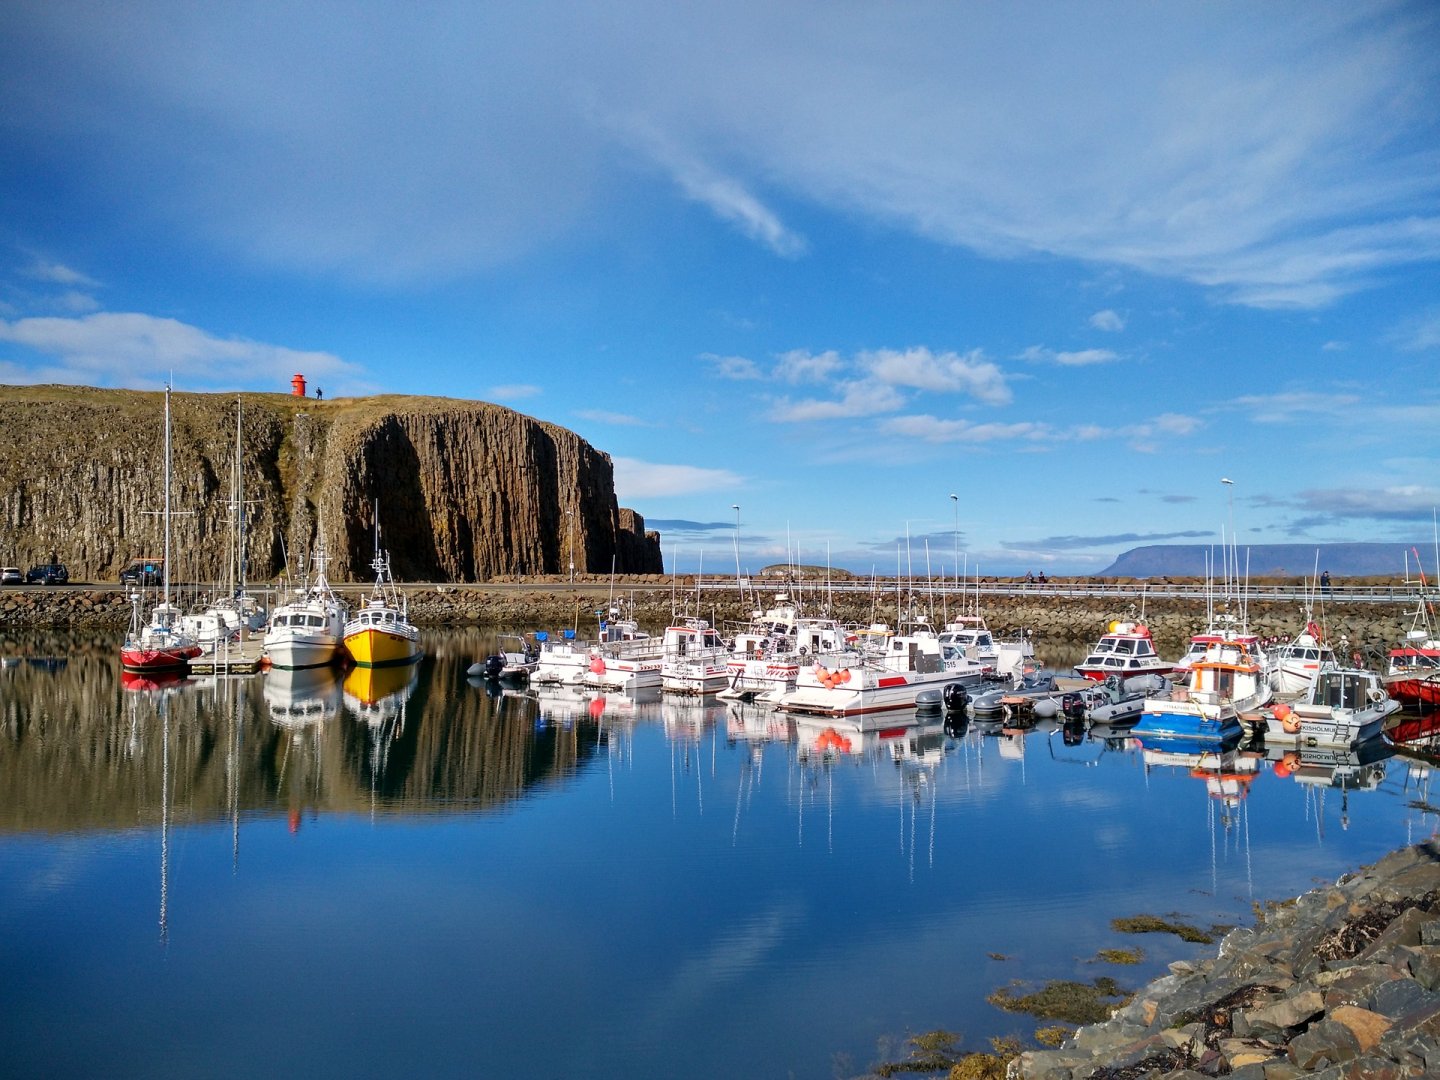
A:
x: 232, y: 658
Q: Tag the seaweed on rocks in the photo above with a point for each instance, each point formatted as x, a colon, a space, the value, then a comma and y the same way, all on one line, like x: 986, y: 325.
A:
x: 1352, y: 937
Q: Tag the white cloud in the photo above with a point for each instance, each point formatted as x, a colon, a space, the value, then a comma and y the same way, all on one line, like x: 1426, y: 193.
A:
x: 1420, y: 334
x: 636, y: 480
x: 729, y: 199
x: 935, y: 430
x: 131, y: 349
x: 1107, y: 320
x: 600, y: 416
x: 860, y: 398
x: 54, y: 273
x: 799, y: 367
x: 733, y: 367
x: 1082, y: 358
x: 947, y: 372
x: 513, y: 392
x: 1288, y: 407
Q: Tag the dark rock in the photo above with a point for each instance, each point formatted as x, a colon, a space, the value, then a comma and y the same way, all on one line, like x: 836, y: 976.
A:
x: 1397, y: 997
x: 1324, y: 1043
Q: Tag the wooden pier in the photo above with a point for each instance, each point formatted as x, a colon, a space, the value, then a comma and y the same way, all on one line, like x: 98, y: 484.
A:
x: 232, y: 658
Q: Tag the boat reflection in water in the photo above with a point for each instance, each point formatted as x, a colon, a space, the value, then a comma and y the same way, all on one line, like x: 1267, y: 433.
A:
x: 297, y: 698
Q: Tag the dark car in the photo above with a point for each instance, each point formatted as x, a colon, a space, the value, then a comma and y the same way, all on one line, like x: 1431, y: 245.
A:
x: 143, y: 572
x: 47, y: 574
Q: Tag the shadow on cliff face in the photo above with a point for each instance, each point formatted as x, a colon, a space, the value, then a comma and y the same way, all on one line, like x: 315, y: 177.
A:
x: 389, y: 475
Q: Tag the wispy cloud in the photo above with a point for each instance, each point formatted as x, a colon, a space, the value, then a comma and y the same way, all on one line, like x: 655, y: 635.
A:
x: 1107, y: 320
x: 129, y: 349
x: 1281, y: 155
x: 1066, y: 543
x: 739, y: 368
x: 600, y: 416
x: 635, y: 479
x: 513, y: 392
x: 935, y: 430
x: 54, y: 273
x: 1420, y: 334
x: 1041, y: 354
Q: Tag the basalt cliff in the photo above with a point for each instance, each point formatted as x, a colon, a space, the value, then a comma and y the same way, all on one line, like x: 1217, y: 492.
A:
x: 465, y: 491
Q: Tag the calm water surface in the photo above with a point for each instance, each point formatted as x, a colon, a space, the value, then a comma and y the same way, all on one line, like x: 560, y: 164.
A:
x: 282, y: 874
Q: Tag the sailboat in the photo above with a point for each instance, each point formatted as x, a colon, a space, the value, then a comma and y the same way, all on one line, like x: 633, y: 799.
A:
x: 229, y: 617
x: 162, y: 643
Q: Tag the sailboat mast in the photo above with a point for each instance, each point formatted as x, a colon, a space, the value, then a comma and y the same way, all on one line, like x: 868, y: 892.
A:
x: 238, y: 508
x: 165, y: 577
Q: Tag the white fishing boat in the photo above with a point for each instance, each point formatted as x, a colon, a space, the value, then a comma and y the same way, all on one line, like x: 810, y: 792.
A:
x: 766, y: 656
x: 1005, y: 657
x: 1340, y: 707
x: 308, y: 631
x: 858, y: 681
x: 565, y: 660
x: 693, y: 658
x: 1293, y: 665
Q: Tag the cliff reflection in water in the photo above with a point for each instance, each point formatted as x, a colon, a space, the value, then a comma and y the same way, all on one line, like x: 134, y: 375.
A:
x: 82, y: 744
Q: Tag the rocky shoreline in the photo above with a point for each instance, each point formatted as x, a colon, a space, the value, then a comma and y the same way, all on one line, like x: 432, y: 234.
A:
x: 553, y: 603
x: 1342, y: 982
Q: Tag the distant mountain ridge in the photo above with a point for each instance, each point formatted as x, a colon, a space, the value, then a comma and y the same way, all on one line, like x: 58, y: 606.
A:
x: 1272, y: 560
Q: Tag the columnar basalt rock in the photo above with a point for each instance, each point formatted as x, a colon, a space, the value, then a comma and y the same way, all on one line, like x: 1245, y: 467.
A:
x: 465, y: 491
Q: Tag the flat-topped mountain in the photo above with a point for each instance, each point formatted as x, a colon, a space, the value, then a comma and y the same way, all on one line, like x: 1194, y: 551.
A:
x: 1269, y: 560
x: 465, y: 490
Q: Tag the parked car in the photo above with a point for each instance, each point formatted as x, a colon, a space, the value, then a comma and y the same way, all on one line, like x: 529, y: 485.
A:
x: 47, y: 574
x: 143, y: 572
x: 10, y: 575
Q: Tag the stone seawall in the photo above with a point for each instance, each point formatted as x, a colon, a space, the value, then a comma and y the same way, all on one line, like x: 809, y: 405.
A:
x: 1343, y: 982
x: 553, y: 604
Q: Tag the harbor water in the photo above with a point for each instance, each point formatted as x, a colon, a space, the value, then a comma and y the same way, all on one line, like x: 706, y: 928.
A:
x: 413, y: 873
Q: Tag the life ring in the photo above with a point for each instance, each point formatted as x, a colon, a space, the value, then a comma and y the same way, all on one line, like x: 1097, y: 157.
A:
x: 1377, y: 695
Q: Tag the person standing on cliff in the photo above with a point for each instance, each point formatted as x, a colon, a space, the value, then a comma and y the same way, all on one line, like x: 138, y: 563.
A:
x: 319, y: 393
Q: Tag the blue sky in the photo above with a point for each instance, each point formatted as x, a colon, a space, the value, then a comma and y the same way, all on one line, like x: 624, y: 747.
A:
x: 831, y: 263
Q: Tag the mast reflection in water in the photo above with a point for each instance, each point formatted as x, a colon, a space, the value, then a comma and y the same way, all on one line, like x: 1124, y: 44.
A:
x: 402, y: 872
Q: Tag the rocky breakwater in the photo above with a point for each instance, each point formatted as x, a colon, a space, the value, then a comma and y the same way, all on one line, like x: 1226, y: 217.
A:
x: 465, y: 490
x: 1343, y: 982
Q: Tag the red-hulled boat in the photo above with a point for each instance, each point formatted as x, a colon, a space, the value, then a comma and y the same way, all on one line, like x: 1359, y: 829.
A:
x: 1125, y: 649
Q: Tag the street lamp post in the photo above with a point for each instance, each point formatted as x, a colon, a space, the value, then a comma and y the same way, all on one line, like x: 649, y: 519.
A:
x: 955, y: 500
x: 1231, y: 560
x: 570, y: 541
x: 736, y: 540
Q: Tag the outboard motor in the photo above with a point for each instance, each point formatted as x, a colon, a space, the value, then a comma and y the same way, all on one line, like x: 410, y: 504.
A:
x: 1073, y: 706
x: 956, y: 697
x: 494, y: 665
